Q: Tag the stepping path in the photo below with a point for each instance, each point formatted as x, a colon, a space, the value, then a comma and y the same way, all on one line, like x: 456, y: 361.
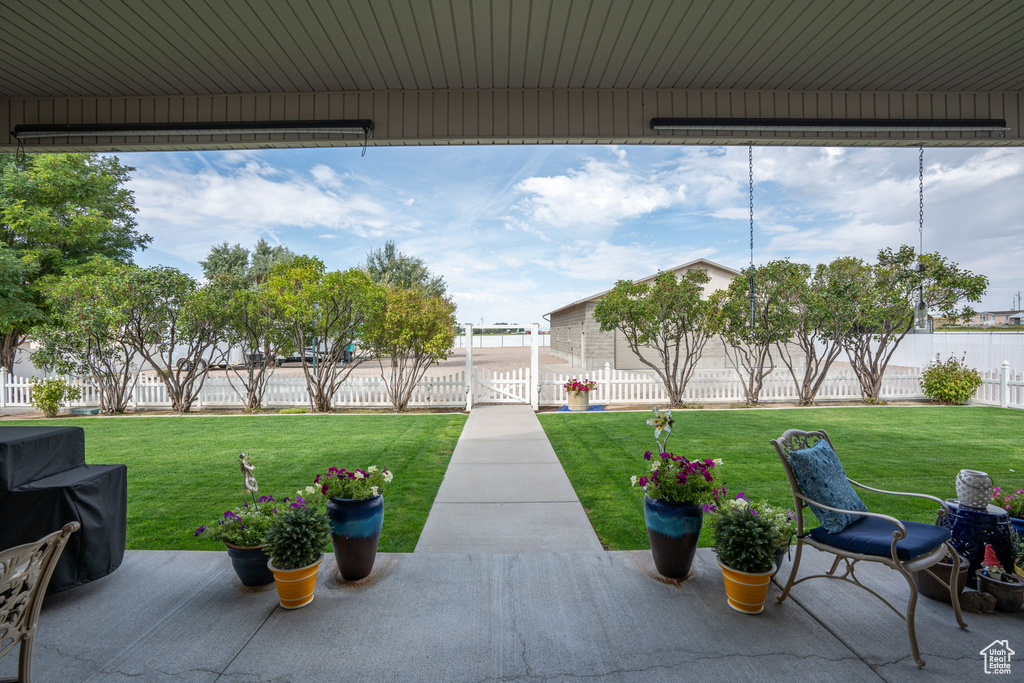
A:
x: 505, y: 491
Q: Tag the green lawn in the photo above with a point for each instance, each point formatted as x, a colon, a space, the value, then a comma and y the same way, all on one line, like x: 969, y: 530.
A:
x: 893, y: 448
x: 183, y: 471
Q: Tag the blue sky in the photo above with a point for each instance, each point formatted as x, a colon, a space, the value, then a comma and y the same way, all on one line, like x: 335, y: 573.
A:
x: 520, y: 230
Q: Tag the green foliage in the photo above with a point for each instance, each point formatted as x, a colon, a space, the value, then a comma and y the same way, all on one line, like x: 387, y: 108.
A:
x: 751, y: 340
x: 389, y: 267
x: 323, y: 310
x: 877, y: 303
x: 49, y: 395
x: 245, y: 526
x: 84, y: 334
x: 744, y: 540
x: 414, y: 330
x: 296, y: 537
x: 254, y: 322
x: 293, y: 411
x: 668, y: 315
x: 237, y: 263
x: 56, y: 211
x: 171, y: 322
x: 949, y: 382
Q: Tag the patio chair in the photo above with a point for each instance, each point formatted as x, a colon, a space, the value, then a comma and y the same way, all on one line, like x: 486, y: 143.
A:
x: 24, y: 573
x: 852, y: 533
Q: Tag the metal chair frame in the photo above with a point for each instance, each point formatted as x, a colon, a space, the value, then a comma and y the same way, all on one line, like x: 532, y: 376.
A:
x: 794, y: 439
x: 25, y: 572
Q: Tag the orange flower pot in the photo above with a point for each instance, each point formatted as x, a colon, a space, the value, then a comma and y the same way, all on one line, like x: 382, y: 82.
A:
x: 295, y: 586
x: 746, y: 592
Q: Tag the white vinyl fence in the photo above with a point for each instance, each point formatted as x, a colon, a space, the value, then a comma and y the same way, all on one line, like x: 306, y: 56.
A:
x: 1000, y: 387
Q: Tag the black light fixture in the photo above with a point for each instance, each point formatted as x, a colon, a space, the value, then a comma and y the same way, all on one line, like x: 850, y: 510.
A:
x: 833, y: 125
x: 363, y: 127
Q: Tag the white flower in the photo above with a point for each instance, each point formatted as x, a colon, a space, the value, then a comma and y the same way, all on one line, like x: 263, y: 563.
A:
x: 373, y: 490
x: 388, y: 477
x: 359, y: 475
x: 655, y: 465
x: 718, y: 462
x: 633, y: 480
x: 740, y: 503
x: 299, y: 492
x: 371, y: 469
x: 311, y: 490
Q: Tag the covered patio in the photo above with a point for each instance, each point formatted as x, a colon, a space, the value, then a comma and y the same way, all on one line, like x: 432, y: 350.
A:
x: 184, y: 616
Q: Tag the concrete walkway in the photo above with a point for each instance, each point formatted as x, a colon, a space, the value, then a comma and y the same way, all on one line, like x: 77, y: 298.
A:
x: 505, y: 491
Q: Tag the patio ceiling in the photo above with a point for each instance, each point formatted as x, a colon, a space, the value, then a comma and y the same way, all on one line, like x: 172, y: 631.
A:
x: 505, y: 71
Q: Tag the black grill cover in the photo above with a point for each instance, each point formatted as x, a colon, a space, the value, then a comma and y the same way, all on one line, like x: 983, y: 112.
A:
x: 31, y: 453
x: 61, y: 489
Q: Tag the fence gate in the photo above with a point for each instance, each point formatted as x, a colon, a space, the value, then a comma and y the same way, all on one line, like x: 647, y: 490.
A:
x: 516, y: 386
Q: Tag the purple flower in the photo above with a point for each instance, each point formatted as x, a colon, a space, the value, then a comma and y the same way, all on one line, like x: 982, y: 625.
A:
x: 200, y: 530
x: 642, y: 481
x: 266, y: 499
x: 666, y: 456
x: 647, y: 455
x: 709, y: 508
x: 741, y: 495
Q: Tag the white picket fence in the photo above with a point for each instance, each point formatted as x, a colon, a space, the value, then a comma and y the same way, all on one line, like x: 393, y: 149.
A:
x: 1000, y: 387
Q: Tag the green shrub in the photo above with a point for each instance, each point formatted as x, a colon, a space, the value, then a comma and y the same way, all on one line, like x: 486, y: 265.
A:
x: 296, y: 537
x: 49, y: 395
x: 949, y: 382
x: 293, y: 411
x: 744, y: 541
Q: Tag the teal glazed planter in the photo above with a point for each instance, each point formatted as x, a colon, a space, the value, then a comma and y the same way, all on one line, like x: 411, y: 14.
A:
x: 674, y: 532
x: 355, y: 532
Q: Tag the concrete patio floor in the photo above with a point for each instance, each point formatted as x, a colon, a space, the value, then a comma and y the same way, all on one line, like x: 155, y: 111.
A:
x: 183, y: 616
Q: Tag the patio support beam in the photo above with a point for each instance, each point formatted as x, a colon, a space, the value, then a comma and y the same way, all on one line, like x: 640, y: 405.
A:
x: 515, y: 116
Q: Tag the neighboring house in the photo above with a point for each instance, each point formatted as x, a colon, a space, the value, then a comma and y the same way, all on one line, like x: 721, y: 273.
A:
x: 577, y: 338
x: 1017, y: 318
x: 993, y: 318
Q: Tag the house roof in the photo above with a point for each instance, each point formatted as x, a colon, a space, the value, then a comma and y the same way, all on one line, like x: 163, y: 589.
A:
x: 688, y: 264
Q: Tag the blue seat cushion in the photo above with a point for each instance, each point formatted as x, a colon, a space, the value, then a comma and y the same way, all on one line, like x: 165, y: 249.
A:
x: 821, y: 477
x: 873, y: 536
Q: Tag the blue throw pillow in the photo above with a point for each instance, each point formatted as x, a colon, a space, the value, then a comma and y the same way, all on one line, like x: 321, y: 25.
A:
x: 821, y: 477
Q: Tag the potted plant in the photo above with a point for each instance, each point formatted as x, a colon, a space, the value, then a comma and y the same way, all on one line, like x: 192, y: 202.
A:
x: 1013, y: 503
x: 933, y: 582
x: 745, y: 541
x: 355, y: 507
x: 677, y: 491
x: 783, y: 523
x: 1007, y: 587
x: 295, y: 542
x: 579, y: 393
x: 241, y: 530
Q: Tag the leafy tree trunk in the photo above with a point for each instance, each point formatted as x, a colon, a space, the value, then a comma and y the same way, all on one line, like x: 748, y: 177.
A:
x: 816, y: 364
x: 9, y: 344
x: 753, y: 362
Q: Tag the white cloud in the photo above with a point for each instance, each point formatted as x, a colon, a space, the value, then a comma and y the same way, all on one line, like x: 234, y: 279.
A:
x: 599, y: 194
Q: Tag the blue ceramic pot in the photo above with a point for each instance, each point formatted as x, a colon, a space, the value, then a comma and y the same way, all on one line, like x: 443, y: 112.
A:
x: 355, y: 532
x: 674, y: 531
x: 1018, y: 524
x: 250, y: 564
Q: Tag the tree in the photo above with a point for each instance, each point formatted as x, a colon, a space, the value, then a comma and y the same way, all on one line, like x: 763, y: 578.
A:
x: 254, y: 322
x: 668, y: 316
x: 749, y: 341
x: 173, y: 323
x: 388, y: 266
x: 247, y: 269
x: 880, y: 302
x: 84, y: 336
x: 322, y: 311
x: 227, y: 261
x: 815, y: 306
x: 57, y: 210
x: 19, y: 310
x: 414, y: 330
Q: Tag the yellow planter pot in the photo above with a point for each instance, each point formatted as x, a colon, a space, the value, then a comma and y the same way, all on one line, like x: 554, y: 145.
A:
x: 579, y: 401
x: 746, y: 592
x: 295, y: 586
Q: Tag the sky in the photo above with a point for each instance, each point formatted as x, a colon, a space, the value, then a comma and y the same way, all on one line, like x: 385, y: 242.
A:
x: 518, y: 231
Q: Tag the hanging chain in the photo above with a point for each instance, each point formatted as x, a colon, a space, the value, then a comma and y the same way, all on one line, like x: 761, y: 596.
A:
x: 920, y: 195
x: 750, y: 166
